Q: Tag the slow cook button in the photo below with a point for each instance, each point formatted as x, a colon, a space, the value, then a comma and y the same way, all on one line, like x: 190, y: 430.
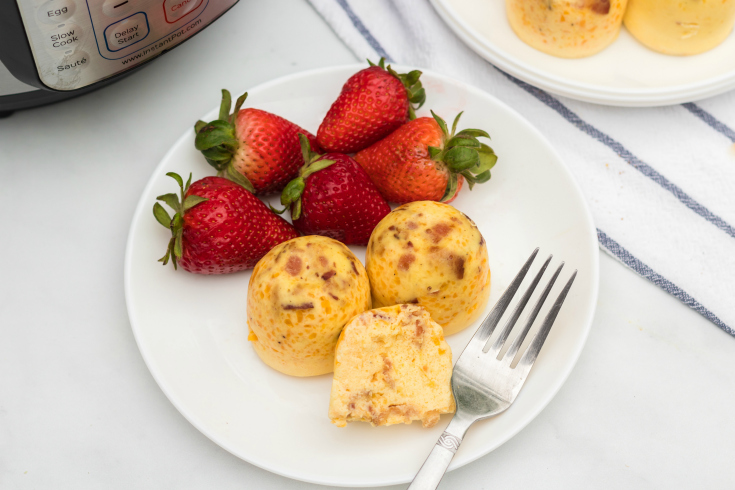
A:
x: 68, y: 37
x: 55, y: 11
x: 176, y: 9
x: 126, y: 32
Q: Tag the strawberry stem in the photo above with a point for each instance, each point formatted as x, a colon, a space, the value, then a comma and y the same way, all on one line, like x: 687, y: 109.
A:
x: 291, y: 195
x: 463, y: 154
x: 231, y: 174
x: 452, y: 184
x: 217, y: 140
x: 174, y: 250
x: 306, y: 153
x: 224, y: 106
x: 414, y: 90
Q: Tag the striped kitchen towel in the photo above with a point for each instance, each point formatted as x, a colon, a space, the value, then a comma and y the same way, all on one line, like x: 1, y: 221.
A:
x: 660, y: 181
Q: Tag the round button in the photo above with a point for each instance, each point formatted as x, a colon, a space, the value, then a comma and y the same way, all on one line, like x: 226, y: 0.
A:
x: 66, y: 72
x: 67, y: 37
x: 117, y: 8
x: 126, y: 32
x: 72, y: 63
x: 173, y: 10
x: 56, y: 11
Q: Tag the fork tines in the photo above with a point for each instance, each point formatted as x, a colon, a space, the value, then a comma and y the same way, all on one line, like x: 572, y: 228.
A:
x: 483, y: 334
x: 482, y: 384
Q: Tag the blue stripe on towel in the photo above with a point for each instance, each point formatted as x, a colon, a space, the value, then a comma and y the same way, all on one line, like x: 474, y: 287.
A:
x: 711, y: 121
x: 625, y: 154
x: 364, y: 30
x: 628, y: 259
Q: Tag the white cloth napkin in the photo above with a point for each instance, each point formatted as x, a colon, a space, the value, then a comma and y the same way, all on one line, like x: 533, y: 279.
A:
x: 660, y: 181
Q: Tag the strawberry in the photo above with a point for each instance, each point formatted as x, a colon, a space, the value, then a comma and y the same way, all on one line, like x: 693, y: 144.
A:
x: 421, y: 161
x: 219, y: 227
x: 334, y: 197
x: 254, y: 148
x: 373, y: 103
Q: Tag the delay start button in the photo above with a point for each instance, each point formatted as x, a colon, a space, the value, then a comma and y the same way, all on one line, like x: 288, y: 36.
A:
x: 176, y: 9
x: 126, y: 32
x: 67, y: 37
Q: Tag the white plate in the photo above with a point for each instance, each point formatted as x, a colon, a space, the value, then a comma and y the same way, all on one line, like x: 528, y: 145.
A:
x: 191, y: 330
x: 625, y: 74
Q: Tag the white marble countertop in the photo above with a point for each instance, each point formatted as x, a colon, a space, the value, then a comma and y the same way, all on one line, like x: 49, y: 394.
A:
x: 649, y: 403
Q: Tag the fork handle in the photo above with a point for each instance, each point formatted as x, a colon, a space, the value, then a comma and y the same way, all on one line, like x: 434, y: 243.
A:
x: 433, y: 469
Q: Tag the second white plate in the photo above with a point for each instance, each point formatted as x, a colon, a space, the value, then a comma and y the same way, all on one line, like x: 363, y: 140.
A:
x: 625, y: 74
x: 192, y: 331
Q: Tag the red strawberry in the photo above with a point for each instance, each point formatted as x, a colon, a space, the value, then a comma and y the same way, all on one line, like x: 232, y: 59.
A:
x: 334, y: 197
x: 219, y: 228
x: 254, y: 148
x: 421, y: 161
x: 373, y: 103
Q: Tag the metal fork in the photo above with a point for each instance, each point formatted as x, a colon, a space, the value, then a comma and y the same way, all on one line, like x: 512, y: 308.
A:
x: 484, y: 386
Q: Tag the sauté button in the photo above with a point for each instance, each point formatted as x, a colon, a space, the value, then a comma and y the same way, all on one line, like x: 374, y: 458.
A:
x: 117, y: 8
x: 55, y: 11
x: 176, y: 9
x: 126, y: 32
x: 67, y: 37
x: 72, y: 63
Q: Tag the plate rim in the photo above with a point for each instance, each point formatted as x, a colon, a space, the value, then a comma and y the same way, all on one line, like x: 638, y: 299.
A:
x: 619, y: 97
x: 140, y: 211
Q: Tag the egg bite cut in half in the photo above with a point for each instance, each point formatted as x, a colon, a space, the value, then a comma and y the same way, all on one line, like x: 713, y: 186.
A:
x: 300, y: 296
x: 392, y: 366
x: 431, y: 254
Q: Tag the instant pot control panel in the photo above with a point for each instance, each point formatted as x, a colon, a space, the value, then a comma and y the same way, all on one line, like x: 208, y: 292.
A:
x: 76, y: 43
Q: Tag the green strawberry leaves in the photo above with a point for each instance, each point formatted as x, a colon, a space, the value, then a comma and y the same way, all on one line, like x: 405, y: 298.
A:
x: 414, y: 90
x: 292, y: 192
x: 463, y: 141
x: 461, y: 158
x: 192, y: 201
x: 471, y: 133
x: 463, y: 155
x: 231, y: 174
x: 171, y: 199
x: 161, y: 215
x: 381, y: 63
x: 217, y: 140
x: 488, y: 158
x: 174, y: 251
x: 291, y: 195
x: 452, y: 185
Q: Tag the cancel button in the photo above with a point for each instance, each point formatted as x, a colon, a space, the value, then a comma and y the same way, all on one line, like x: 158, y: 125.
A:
x: 126, y: 32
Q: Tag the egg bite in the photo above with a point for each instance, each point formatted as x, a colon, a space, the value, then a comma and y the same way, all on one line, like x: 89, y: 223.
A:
x: 429, y: 253
x: 392, y: 366
x: 566, y: 28
x: 300, y: 296
x: 680, y: 28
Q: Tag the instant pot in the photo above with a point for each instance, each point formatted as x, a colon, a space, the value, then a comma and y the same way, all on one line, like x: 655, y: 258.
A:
x: 52, y: 50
